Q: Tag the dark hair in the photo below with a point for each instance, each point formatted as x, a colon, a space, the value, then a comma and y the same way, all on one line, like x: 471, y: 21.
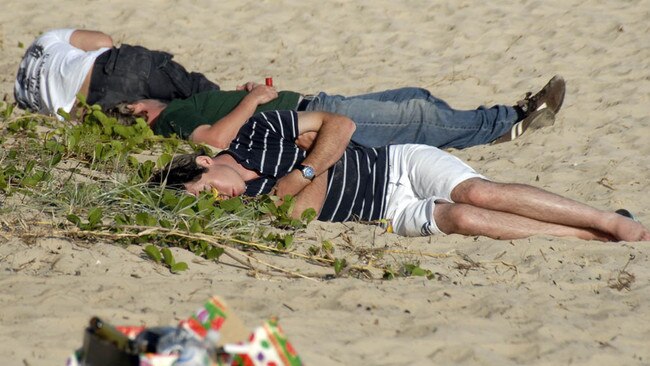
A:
x: 182, y: 169
x: 124, y: 113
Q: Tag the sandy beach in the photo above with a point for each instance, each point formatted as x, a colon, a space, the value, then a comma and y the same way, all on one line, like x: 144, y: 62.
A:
x: 536, y: 301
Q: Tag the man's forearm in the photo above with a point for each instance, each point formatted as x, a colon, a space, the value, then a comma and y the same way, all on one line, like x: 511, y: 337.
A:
x: 223, y: 131
x: 334, y: 134
x: 312, y: 196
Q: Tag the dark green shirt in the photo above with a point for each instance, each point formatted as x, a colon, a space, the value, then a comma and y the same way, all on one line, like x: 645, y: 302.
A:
x: 182, y: 116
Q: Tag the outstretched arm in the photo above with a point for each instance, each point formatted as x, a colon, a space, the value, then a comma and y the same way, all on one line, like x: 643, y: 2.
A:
x: 88, y: 40
x: 223, y: 131
x: 334, y: 134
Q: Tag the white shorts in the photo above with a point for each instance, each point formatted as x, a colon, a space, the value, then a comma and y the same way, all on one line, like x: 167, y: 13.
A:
x: 420, y: 175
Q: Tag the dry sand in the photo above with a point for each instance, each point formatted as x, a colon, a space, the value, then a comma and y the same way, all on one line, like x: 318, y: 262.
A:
x: 536, y: 301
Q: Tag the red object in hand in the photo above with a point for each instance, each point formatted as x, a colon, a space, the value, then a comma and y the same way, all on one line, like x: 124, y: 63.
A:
x: 269, y: 81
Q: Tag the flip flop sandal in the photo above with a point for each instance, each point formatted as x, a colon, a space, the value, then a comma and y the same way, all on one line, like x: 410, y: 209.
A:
x: 626, y: 213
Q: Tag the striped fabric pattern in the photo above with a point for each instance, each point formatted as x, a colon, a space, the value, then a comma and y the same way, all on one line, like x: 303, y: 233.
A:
x: 357, y: 183
x: 265, y: 144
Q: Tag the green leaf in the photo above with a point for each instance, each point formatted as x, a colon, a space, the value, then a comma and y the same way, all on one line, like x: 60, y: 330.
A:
x: 214, y: 253
x: 29, y: 166
x: 195, y: 226
x: 163, y: 160
x: 123, y: 131
x: 308, y: 215
x: 286, y: 208
x: 61, y: 112
x: 145, y: 219
x: 231, y: 205
x: 56, y: 159
x: 73, y: 142
x: 153, y: 253
x: 168, y: 257
x: 417, y: 271
x: 170, y: 198
x: 339, y: 264
x: 288, y: 240
x: 122, y: 219
x: 95, y: 216
x: 178, y: 267
x: 74, y: 219
x: 186, y: 201
x: 327, y: 246
x: 81, y: 98
x: 205, y: 202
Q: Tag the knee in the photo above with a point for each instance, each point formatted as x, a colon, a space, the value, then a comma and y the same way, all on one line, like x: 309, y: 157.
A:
x: 455, y: 218
x: 473, y: 191
x: 420, y: 93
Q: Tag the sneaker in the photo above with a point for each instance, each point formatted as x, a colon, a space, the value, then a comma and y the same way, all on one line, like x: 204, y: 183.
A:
x: 536, y: 120
x: 551, y: 96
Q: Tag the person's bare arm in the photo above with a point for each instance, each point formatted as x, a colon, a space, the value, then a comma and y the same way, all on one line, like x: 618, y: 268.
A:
x: 223, y: 131
x: 88, y: 40
x: 334, y: 133
x: 312, y: 196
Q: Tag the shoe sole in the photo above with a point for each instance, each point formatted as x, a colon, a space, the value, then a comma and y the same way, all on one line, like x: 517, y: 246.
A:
x: 556, y: 82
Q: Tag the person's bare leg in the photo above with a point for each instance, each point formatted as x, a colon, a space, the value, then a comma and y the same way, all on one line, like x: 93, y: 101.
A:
x: 540, y: 205
x: 458, y: 218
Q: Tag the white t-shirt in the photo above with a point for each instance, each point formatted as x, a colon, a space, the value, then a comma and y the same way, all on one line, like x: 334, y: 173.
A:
x: 52, y: 72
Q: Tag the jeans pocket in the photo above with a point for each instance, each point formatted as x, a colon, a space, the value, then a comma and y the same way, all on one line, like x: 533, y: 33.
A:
x: 133, y: 60
x: 177, y: 76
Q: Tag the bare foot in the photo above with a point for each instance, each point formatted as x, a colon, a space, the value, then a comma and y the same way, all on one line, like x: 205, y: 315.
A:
x: 626, y: 229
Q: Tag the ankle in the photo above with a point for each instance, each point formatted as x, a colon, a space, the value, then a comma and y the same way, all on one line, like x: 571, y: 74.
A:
x: 520, y: 113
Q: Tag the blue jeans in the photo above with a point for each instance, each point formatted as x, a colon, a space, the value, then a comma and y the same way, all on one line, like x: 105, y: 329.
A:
x: 413, y: 115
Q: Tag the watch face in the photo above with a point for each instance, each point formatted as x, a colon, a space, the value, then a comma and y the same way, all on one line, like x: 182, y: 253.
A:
x: 308, y: 172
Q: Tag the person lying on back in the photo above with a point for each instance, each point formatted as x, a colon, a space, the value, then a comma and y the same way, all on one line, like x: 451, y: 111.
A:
x: 406, y: 115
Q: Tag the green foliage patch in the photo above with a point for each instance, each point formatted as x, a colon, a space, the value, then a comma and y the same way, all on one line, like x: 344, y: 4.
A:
x: 89, y: 173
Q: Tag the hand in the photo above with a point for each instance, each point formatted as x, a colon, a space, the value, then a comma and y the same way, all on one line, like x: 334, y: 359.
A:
x: 291, y: 184
x: 306, y: 140
x: 248, y: 86
x: 262, y: 94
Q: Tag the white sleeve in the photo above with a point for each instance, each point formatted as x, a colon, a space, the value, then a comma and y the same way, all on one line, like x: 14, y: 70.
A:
x: 56, y: 35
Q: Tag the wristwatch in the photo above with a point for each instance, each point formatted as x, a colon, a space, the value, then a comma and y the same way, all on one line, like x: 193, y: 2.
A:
x: 308, y: 172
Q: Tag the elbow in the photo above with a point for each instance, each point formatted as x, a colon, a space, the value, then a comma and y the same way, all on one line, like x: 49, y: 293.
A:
x: 204, y: 134
x: 222, y: 145
x: 105, y: 41
x: 350, y: 126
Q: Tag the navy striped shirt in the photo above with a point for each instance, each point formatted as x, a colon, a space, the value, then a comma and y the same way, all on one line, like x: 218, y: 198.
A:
x: 356, y: 185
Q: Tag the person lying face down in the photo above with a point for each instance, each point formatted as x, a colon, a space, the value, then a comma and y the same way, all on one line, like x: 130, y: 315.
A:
x: 420, y: 189
x: 63, y: 62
